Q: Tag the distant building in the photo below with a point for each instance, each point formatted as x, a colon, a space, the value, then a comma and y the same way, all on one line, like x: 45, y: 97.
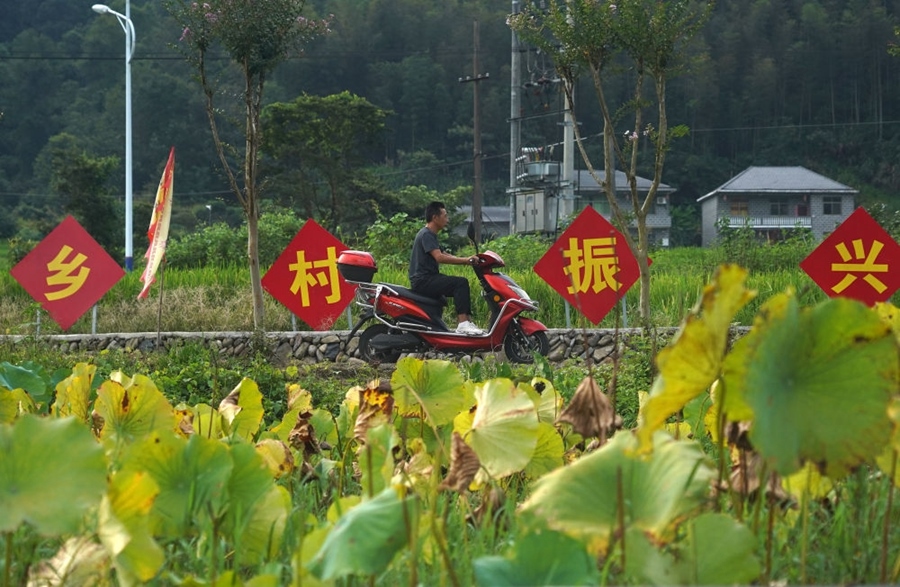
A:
x: 543, y: 202
x: 773, y: 200
x: 494, y: 221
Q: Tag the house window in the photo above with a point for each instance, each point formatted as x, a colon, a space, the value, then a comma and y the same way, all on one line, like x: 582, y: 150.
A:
x: 778, y: 207
x: 831, y: 205
x: 739, y: 208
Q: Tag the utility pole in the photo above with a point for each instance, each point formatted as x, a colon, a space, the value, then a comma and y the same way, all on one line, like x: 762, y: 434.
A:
x: 515, y: 125
x: 476, y: 131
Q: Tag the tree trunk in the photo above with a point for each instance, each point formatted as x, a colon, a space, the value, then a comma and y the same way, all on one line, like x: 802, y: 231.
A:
x: 259, y: 310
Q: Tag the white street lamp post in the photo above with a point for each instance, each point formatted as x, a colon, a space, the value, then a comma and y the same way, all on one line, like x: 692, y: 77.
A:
x: 128, y: 27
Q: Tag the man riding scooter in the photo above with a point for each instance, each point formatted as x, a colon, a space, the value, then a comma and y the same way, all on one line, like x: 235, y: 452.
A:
x: 425, y: 277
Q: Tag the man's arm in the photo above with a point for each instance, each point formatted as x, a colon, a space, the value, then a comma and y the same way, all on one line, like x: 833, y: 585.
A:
x: 447, y: 259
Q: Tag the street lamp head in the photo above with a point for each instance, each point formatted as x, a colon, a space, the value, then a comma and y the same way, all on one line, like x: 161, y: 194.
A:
x: 100, y: 8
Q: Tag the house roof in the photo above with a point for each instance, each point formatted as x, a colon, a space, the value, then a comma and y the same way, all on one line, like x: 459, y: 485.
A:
x: 585, y: 183
x: 779, y: 180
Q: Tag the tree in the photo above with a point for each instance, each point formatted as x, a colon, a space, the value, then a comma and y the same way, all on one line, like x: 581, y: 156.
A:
x: 641, y: 40
x: 332, y: 138
x: 257, y: 35
x: 80, y: 180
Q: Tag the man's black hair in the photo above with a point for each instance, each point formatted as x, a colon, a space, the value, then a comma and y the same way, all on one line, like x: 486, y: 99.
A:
x: 433, y: 209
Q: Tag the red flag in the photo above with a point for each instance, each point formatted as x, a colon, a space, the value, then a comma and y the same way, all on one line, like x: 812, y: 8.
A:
x: 158, y: 232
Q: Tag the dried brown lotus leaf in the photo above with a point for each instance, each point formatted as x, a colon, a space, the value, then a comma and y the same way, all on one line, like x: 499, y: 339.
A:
x: 464, y: 464
x: 591, y: 413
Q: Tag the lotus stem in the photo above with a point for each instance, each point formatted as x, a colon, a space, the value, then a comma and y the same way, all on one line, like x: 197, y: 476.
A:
x: 887, y: 517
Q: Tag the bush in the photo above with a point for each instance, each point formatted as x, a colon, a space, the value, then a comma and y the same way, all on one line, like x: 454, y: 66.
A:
x: 221, y: 244
x: 390, y: 240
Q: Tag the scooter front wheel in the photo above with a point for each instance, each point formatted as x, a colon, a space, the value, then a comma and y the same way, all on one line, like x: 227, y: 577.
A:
x: 521, y: 348
x: 368, y: 353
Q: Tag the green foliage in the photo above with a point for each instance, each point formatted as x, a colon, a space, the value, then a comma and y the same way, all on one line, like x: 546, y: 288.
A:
x: 390, y: 241
x: 519, y: 250
x: 79, y: 180
x: 17, y: 248
x: 222, y: 245
x: 321, y: 145
x: 743, y: 246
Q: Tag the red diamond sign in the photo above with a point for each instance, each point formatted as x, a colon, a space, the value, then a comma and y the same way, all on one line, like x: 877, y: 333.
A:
x: 590, y: 265
x: 305, y: 278
x: 855, y: 261
x: 67, y: 273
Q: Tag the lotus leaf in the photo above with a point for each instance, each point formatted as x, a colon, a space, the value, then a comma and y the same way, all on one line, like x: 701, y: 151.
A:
x: 464, y: 465
x: 79, y: 561
x: 257, y: 509
x: 818, y: 381
x: 888, y: 460
x: 28, y: 377
x: 73, y: 394
x: 504, y: 429
x: 277, y: 456
x: 14, y: 402
x: 242, y: 409
x: 432, y: 389
x: 656, y: 491
x: 191, y: 474
x: 376, y: 459
x: 548, y: 454
x: 807, y: 483
x: 132, y: 412
x: 365, y: 539
x: 51, y: 472
x: 693, y: 360
x: 539, y: 558
x: 124, y: 527
x: 547, y: 400
x: 208, y: 422
x: 716, y: 550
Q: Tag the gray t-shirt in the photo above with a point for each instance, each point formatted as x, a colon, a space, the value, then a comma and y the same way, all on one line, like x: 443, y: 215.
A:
x: 421, y: 263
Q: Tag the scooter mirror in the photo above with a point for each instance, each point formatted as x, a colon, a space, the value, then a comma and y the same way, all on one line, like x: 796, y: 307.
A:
x: 470, y: 232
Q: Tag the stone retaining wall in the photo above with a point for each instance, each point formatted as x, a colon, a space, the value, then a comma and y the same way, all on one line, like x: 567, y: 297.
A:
x: 313, y: 347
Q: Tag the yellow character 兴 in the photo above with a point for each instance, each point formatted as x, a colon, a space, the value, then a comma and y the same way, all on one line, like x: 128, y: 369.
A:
x: 865, y: 264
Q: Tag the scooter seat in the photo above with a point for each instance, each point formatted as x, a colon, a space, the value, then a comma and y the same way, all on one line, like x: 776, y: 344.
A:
x: 426, y: 300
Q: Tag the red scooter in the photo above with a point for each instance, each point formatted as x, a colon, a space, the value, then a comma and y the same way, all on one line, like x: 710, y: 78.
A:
x: 407, y: 322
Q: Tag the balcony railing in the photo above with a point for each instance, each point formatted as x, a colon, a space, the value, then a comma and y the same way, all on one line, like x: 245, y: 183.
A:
x: 770, y: 221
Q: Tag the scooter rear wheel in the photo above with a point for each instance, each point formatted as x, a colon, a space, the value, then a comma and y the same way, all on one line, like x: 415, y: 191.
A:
x: 370, y: 354
x: 520, y: 347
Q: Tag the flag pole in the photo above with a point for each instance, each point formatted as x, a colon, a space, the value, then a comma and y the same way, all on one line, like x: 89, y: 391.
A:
x: 162, y: 289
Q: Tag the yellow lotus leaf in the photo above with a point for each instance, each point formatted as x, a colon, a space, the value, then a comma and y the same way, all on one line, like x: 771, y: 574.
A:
x: 277, y: 456
x: 807, y: 483
x: 242, y: 409
x: 73, y: 394
x: 693, y: 360
x: 133, y: 411
x: 124, y: 526
x: 505, y: 428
